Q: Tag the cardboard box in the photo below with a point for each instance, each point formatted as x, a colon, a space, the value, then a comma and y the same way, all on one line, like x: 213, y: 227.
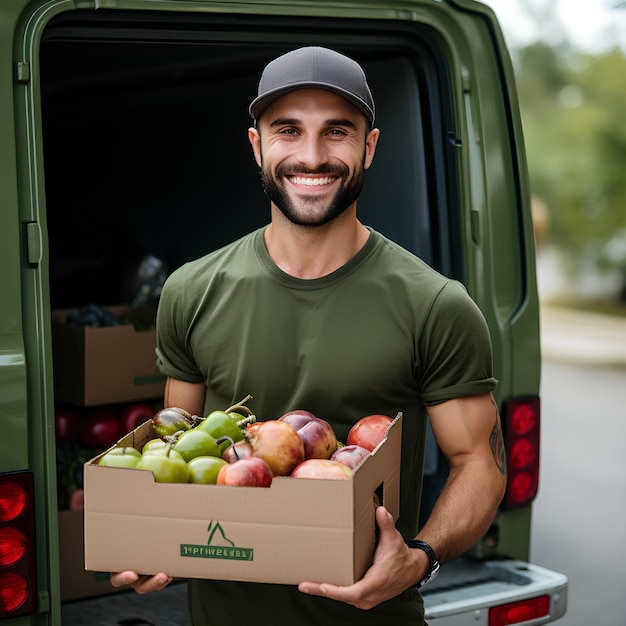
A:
x: 104, y: 365
x: 295, y: 530
x: 77, y: 583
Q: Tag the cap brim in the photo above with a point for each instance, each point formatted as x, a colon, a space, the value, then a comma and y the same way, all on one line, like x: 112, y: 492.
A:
x: 259, y: 105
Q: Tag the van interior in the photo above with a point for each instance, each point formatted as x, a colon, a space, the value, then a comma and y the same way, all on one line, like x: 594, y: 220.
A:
x: 146, y: 152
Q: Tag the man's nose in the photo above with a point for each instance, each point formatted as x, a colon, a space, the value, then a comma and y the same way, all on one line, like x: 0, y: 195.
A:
x: 312, y: 152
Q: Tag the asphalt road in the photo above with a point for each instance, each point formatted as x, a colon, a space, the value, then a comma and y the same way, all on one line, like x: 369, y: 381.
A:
x: 579, y: 517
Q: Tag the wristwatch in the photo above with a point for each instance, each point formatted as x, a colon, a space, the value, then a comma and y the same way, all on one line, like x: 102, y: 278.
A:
x: 432, y: 557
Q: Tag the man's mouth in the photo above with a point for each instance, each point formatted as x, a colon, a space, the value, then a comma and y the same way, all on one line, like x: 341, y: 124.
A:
x: 310, y: 181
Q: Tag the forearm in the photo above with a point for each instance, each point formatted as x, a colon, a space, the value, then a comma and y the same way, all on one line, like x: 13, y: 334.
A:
x: 465, y: 509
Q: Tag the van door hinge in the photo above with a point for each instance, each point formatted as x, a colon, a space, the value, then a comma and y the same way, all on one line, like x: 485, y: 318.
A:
x: 32, y: 233
x: 22, y: 72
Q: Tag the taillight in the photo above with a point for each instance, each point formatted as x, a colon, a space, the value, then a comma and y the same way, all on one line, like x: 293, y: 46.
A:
x: 520, y: 611
x: 17, y: 545
x: 520, y: 423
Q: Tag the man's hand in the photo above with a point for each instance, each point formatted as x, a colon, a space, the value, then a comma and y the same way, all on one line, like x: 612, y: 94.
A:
x: 396, y: 567
x: 141, y: 584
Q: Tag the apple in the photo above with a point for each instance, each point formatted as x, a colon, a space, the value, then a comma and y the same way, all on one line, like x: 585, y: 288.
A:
x: 203, y: 470
x: 170, y: 420
x: 133, y: 415
x: 351, y: 456
x: 324, y: 469
x: 250, y: 472
x: 121, y: 457
x: 221, y: 424
x: 298, y: 418
x: 153, y: 444
x: 65, y: 425
x: 195, y: 442
x: 278, y: 444
x: 236, y: 451
x: 167, y: 465
x: 77, y: 499
x: 369, y: 431
x: 317, y: 434
x: 99, y: 428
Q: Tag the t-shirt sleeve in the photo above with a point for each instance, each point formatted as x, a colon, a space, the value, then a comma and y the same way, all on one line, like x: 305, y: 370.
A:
x: 174, y: 357
x: 454, y: 348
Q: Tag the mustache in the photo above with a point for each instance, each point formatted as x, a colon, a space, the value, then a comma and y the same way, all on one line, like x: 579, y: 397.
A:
x: 326, y: 169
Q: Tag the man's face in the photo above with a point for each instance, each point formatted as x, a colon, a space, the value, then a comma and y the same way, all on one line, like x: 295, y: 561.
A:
x: 313, y: 147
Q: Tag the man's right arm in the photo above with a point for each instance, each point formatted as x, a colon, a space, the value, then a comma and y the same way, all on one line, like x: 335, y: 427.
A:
x: 188, y: 396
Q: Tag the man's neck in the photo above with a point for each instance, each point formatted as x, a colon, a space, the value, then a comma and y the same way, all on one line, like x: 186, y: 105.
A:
x: 313, y: 252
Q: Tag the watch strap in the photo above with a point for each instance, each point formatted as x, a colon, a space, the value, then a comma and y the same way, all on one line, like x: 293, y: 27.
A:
x: 432, y: 558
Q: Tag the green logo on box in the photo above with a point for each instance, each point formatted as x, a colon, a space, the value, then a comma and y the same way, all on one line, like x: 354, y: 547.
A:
x: 219, y: 546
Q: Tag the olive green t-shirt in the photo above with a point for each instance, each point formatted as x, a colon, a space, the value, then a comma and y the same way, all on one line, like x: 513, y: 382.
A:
x: 382, y: 334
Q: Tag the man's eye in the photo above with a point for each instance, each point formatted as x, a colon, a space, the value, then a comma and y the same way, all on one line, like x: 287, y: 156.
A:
x: 288, y: 131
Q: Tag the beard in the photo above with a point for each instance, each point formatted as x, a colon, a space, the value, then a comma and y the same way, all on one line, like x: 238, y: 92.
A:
x: 307, y: 212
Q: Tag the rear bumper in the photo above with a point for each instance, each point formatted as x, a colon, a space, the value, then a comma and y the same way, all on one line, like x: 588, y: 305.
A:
x: 465, y: 591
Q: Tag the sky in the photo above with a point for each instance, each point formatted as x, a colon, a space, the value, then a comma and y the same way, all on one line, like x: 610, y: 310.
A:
x: 593, y: 26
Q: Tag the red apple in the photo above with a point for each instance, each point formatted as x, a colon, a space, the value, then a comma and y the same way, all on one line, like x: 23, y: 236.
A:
x: 317, y: 434
x: 278, y: 444
x: 352, y: 456
x: 369, y: 431
x: 99, y: 428
x: 298, y: 418
x: 66, y: 422
x: 133, y: 415
x: 77, y: 499
x: 324, y: 469
x: 236, y: 451
x: 250, y: 472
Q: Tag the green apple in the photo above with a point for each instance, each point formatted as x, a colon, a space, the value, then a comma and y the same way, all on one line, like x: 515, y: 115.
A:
x: 121, y: 457
x: 204, y: 469
x: 167, y: 465
x: 195, y: 442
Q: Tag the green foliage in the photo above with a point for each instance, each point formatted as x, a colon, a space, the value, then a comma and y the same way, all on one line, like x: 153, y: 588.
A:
x: 573, y: 108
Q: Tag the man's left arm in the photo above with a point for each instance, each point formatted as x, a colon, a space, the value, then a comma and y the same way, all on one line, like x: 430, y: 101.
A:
x: 469, y: 434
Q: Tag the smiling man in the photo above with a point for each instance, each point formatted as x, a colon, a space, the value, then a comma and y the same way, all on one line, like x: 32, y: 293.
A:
x: 313, y: 172
x: 317, y: 311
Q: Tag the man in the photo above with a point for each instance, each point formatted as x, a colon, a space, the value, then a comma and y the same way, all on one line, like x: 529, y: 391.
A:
x: 316, y: 311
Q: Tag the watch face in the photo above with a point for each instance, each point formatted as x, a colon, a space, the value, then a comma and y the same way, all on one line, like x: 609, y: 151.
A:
x: 431, y: 575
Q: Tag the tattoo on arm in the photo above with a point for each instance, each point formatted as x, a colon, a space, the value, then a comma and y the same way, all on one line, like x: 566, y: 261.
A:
x: 496, y: 442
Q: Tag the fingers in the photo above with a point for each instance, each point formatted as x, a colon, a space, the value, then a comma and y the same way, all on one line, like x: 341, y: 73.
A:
x: 141, y: 584
x: 371, y: 589
x: 119, y: 579
x: 384, y: 521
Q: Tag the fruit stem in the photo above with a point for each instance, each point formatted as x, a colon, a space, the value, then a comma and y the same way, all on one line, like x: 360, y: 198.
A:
x: 232, y: 443
x: 172, y: 439
x: 195, y: 420
x: 242, y: 423
x: 239, y: 405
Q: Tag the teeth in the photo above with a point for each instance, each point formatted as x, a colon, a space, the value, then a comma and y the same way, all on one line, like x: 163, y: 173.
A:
x: 311, y: 182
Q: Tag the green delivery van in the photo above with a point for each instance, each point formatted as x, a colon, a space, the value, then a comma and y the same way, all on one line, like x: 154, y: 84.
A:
x: 123, y: 138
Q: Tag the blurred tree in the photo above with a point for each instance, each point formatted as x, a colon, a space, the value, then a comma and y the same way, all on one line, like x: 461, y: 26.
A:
x: 572, y: 108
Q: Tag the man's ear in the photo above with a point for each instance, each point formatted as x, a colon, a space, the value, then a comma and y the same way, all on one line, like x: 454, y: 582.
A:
x: 371, y: 142
x: 255, y: 141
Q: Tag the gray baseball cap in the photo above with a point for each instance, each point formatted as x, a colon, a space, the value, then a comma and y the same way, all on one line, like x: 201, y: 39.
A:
x: 314, y: 66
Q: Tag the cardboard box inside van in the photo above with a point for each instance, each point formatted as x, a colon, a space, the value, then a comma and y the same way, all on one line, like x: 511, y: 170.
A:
x: 104, y: 365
